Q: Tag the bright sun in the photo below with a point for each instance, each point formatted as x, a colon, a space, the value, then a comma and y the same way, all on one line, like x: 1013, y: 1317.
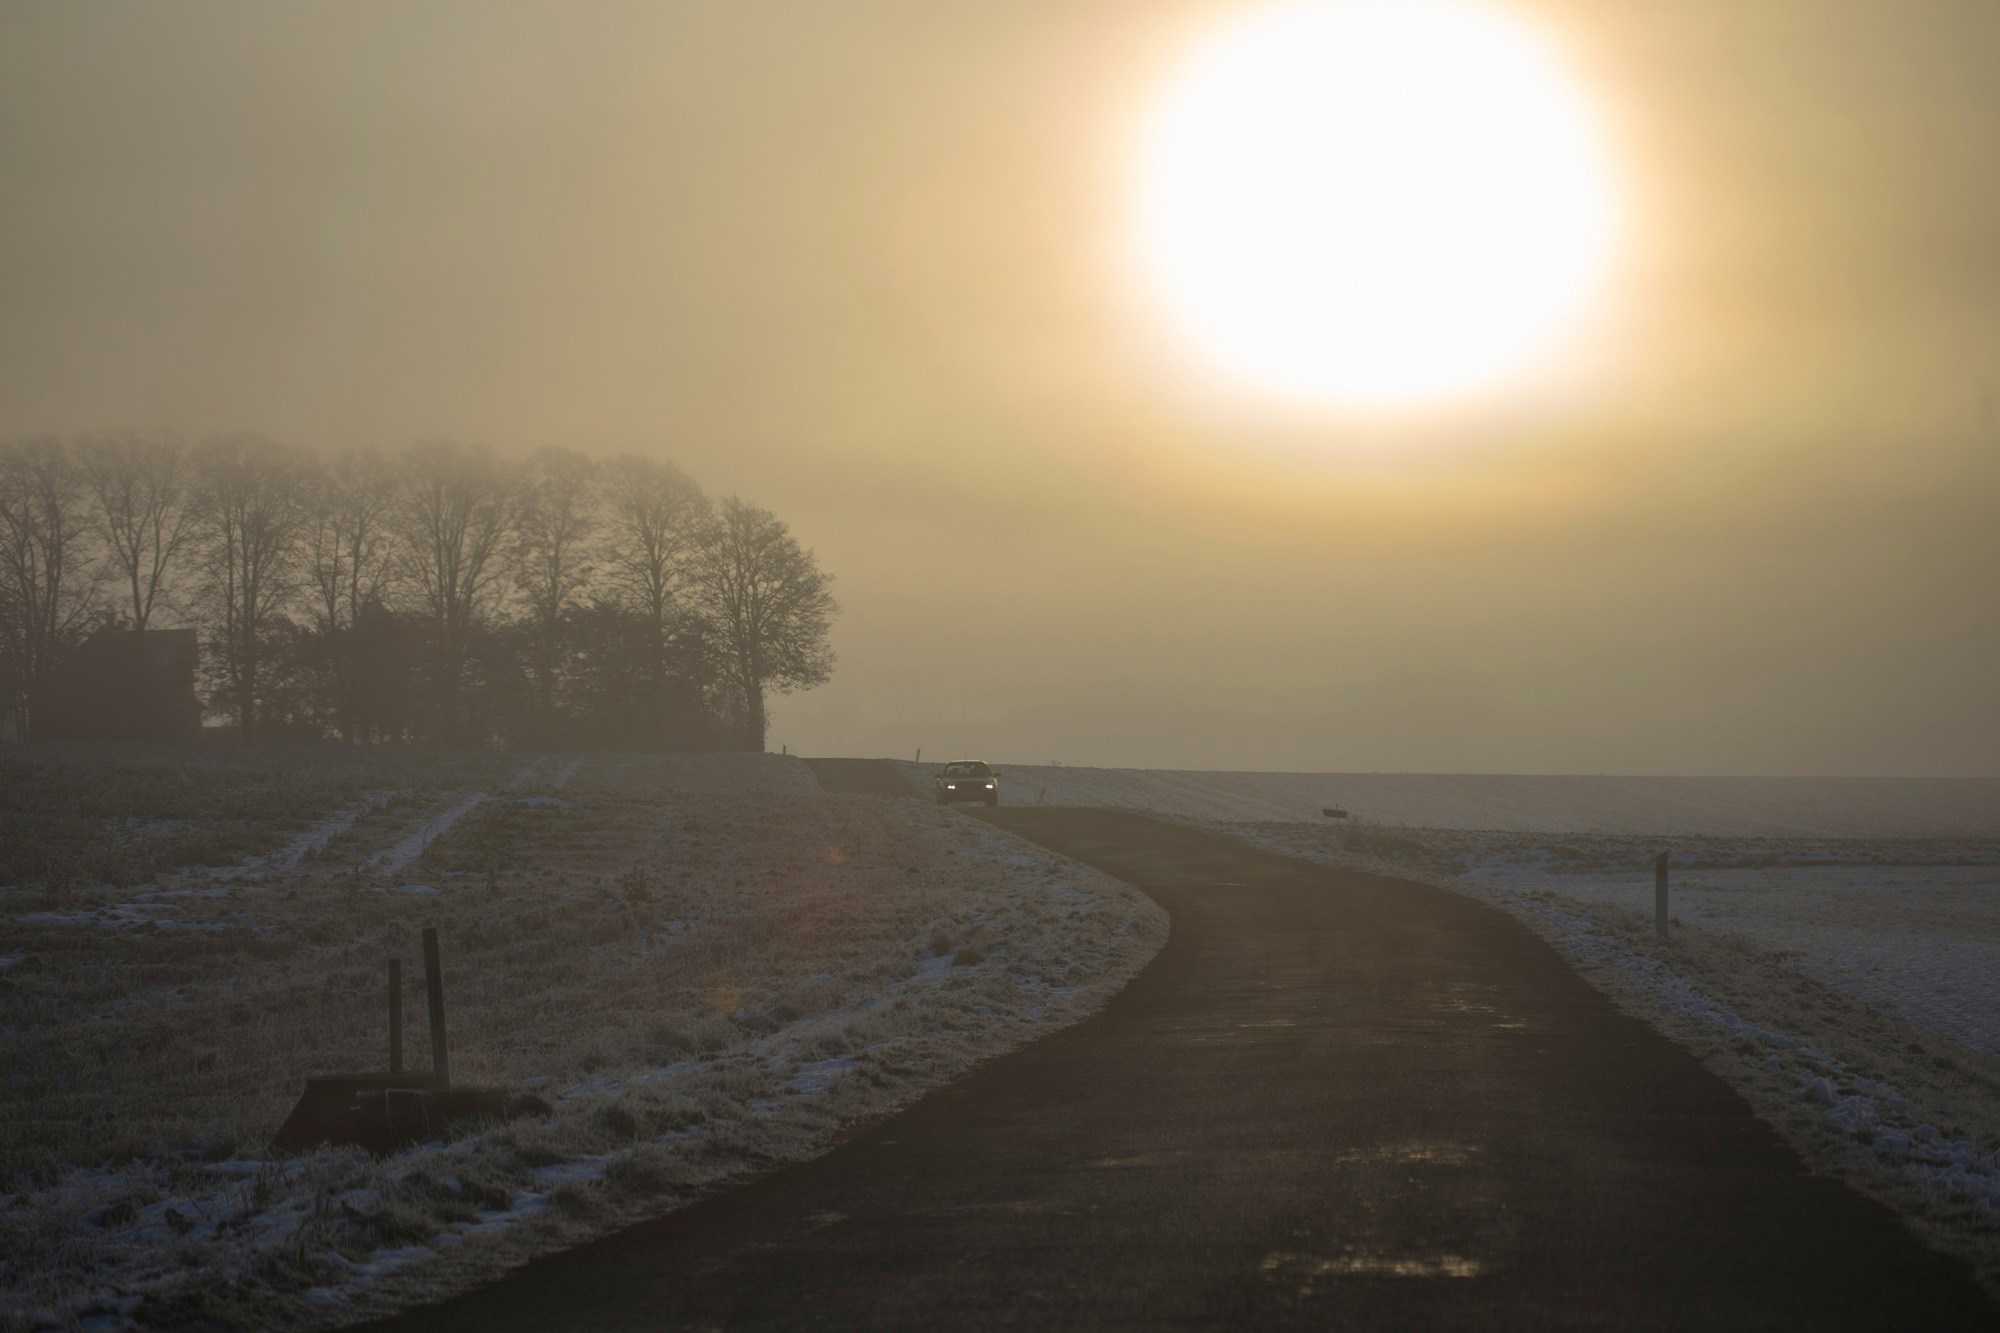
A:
x: 1374, y: 201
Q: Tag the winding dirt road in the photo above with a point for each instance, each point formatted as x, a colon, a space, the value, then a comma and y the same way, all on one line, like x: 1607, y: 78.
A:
x: 1333, y: 1101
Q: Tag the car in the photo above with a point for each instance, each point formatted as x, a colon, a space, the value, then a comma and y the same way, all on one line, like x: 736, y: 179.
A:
x: 967, y: 780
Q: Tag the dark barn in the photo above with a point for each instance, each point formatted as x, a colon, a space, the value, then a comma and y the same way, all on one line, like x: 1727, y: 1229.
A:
x: 124, y: 684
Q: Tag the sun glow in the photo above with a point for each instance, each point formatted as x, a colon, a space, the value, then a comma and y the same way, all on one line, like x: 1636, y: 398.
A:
x: 1374, y: 201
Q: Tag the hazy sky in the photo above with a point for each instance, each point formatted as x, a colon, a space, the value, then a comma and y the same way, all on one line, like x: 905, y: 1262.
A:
x: 871, y: 264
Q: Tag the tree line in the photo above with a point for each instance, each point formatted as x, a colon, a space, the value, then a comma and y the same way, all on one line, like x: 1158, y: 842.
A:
x: 442, y: 593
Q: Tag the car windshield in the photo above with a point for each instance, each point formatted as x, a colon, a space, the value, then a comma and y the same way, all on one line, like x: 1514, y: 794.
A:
x: 967, y: 771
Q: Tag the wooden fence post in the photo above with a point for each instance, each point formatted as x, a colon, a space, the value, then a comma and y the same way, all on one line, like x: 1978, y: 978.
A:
x: 434, y: 983
x: 395, y: 1015
x: 1660, y: 894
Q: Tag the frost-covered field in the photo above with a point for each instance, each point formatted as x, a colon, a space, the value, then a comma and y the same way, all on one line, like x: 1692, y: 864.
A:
x: 1714, y: 807
x: 687, y: 969
x: 1835, y: 951
x: 1917, y: 940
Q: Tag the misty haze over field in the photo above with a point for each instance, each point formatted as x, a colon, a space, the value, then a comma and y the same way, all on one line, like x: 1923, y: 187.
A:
x: 873, y: 265
x: 1071, y: 663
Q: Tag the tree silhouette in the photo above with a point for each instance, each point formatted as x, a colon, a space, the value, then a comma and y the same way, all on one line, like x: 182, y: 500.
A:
x: 251, y: 516
x: 144, y: 510
x: 454, y: 526
x: 440, y: 593
x: 48, y: 585
x: 551, y: 559
x: 770, y: 607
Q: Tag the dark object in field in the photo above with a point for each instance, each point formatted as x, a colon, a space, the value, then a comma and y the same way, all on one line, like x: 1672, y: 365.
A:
x: 395, y: 1015
x: 1333, y: 812
x: 434, y: 989
x: 384, y: 1112
x: 1660, y: 893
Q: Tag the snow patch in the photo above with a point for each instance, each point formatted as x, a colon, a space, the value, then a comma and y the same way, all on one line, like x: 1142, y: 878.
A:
x: 418, y: 842
x: 811, y: 1080
x: 576, y: 1171
x: 316, y: 838
x: 132, y: 916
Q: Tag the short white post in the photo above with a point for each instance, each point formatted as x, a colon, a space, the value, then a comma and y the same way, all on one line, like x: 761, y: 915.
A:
x: 1660, y: 894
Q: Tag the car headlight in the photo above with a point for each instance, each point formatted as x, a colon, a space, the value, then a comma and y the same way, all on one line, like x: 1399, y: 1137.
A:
x: 989, y: 786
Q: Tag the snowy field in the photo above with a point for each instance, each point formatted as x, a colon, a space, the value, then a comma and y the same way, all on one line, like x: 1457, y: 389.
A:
x: 1714, y: 807
x: 684, y: 969
x: 1921, y: 941
x: 1834, y: 952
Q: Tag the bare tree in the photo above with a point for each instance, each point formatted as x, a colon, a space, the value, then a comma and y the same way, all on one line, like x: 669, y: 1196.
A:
x: 252, y: 508
x: 769, y: 605
x: 655, y: 519
x: 350, y: 559
x: 552, y: 556
x: 453, y: 524
x: 48, y: 589
x: 142, y: 510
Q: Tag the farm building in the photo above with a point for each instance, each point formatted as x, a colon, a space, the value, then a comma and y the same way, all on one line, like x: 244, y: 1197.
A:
x: 123, y: 684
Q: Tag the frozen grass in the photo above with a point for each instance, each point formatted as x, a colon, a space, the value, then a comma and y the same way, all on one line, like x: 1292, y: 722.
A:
x: 698, y: 967
x: 77, y: 819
